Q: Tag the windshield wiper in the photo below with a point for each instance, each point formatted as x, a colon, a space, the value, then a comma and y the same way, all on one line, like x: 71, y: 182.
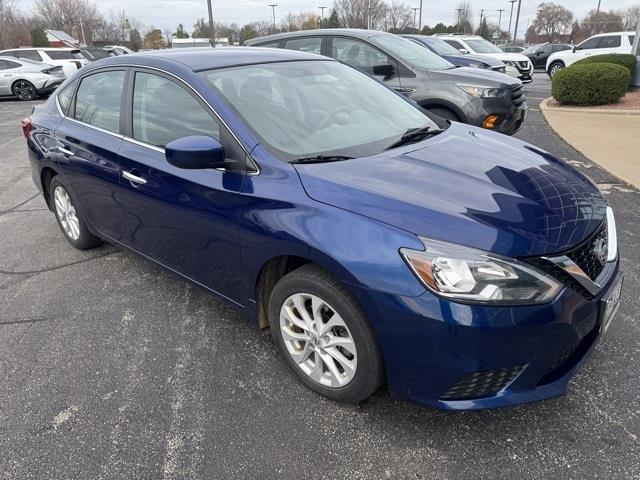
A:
x: 321, y: 159
x: 414, y: 135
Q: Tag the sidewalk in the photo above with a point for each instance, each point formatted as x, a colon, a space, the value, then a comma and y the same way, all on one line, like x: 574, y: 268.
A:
x: 608, y: 136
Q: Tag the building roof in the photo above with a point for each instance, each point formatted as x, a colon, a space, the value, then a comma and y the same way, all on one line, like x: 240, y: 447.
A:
x: 60, y: 36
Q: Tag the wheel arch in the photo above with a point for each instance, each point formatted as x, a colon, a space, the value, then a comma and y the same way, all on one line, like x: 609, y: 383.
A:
x: 46, y: 175
x: 438, y: 103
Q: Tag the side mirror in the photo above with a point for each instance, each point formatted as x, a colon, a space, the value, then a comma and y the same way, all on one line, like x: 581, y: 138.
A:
x: 385, y: 70
x: 539, y: 52
x: 574, y: 48
x: 463, y: 50
x: 196, y: 152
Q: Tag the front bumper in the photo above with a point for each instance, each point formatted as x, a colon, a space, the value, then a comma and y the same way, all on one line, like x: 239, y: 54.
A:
x: 510, y: 115
x: 523, y: 74
x: 431, y: 345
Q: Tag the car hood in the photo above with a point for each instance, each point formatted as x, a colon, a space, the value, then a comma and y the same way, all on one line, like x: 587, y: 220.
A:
x: 477, y: 75
x: 510, y: 57
x: 491, y: 61
x: 466, y: 186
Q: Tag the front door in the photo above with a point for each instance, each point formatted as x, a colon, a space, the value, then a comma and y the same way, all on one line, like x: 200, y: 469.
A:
x: 184, y: 219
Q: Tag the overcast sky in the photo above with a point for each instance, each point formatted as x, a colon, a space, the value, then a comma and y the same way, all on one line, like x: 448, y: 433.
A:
x: 168, y: 13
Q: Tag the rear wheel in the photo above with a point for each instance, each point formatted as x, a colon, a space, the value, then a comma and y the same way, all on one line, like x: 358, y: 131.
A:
x: 444, y: 113
x: 70, y: 222
x: 24, y: 90
x: 324, y: 335
x: 554, y: 68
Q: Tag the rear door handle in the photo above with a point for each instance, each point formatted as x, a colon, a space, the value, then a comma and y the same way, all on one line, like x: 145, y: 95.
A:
x: 64, y: 151
x: 134, y: 178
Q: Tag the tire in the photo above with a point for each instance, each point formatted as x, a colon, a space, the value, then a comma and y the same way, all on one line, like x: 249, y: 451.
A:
x: 310, y: 285
x: 72, y: 225
x: 24, y: 90
x: 444, y: 113
x: 554, y: 68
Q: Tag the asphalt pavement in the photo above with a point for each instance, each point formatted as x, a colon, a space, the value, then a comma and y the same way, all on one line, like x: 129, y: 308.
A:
x: 114, y: 368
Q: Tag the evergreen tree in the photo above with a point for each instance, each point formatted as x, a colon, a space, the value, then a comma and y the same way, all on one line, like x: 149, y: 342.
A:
x: 333, y: 21
x: 39, y: 38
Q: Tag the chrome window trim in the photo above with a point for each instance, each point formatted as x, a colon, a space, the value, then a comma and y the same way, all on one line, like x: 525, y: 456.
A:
x: 154, y: 147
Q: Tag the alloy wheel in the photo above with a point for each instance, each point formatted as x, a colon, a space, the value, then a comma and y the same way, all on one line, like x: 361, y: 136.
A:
x: 318, y: 340
x: 24, y: 90
x: 555, y: 69
x: 66, y: 213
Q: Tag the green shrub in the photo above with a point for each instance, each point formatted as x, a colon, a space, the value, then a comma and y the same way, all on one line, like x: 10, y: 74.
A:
x: 590, y: 84
x: 626, y: 60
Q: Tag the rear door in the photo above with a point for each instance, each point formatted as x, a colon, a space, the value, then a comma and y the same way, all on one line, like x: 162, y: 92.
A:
x: 8, y: 70
x: 184, y: 219
x: 88, y: 143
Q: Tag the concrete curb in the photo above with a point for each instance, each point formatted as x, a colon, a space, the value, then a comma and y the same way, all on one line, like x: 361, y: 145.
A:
x: 544, y: 106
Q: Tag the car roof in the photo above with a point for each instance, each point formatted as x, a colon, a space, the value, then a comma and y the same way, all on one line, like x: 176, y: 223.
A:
x: 612, y: 33
x: 351, y: 32
x: 46, y: 49
x: 198, y: 59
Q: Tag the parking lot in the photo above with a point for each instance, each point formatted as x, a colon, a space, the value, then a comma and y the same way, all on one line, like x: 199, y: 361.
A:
x: 113, y: 367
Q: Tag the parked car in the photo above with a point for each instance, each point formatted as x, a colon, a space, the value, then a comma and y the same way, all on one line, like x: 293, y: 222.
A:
x: 484, y: 98
x: 538, y: 54
x: 26, y: 79
x: 191, y: 43
x: 468, y: 269
x: 518, y: 65
x: 452, y: 55
x: 614, y: 42
x: 512, y: 48
x: 93, y: 54
x: 70, y: 59
x: 120, y: 49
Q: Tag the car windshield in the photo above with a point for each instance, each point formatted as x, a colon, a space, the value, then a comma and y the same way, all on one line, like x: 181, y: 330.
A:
x: 308, y: 108
x: 411, y: 52
x: 441, y: 47
x: 99, y: 54
x: 480, y: 45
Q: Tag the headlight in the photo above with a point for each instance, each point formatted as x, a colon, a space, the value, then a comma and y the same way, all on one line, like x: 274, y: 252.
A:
x: 478, y: 65
x: 510, y: 63
x: 475, y: 276
x: 483, y: 92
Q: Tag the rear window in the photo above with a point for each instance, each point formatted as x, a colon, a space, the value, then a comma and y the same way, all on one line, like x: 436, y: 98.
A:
x: 65, y: 96
x: 64, y: 55
x: 311, y: 45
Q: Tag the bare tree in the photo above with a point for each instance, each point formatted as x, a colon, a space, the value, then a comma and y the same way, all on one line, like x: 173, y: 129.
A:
x: 398, y: 17
x: 465, y: 16
x: 631, y: 16
x: 6, y: 19
x: 552, y: 20
x: 602, y: 22
x: 355, y: 13
x: 299, y: 21
x: 70, y: 15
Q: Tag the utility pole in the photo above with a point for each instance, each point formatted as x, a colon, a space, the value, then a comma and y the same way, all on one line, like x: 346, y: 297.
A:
x: 458, y: 24
x: 500, y: 10
x: 515, y: 29
x: 322, y: 16
x: 598, y: 9
x: 420, y: 19
x: 273, y: 12
x: 511, y: 16
x: 480, y: 26
x: 369, y: 15
x: 415, y: 11
x: 212, y: 31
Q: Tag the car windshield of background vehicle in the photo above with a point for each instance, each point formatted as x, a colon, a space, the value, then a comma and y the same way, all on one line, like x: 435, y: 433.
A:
x: 442, y: 48
x: 309, y: 108
x: 412, y: 53
x: 480, y: 45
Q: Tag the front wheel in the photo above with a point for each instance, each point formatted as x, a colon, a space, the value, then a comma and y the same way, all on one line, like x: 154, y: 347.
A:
x: 324, y: 335
x: 24, y: 90
x: 70, y: 222
x: 555, y: 68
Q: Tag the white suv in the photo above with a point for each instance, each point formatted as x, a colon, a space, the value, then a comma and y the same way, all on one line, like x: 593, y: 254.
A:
x: 70, y: 59
x: 615, y: 42
x: 517, y: 65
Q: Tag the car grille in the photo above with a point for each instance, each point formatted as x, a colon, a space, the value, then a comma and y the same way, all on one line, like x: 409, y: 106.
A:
x: 517, y: 95
x: 523, y: 65
x: 482, y: 384
x: 590, y: 256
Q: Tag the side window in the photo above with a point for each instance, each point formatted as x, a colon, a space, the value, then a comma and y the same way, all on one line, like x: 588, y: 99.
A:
x: 311, y: 45
x: 28, y: 54
x: 545, y: 50
x: 274, y: 44
x: 560, y: 48
x: 454, y: 43
x: 163, y: 111
x: 65, y: 97
x: 4, y: 65
x: 357, y: 54
x: 612, y: 41
x: 98, y: 100
x: 590, y: 43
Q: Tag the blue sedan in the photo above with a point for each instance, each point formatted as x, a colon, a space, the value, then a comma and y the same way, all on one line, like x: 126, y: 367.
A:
x: 464, y: 268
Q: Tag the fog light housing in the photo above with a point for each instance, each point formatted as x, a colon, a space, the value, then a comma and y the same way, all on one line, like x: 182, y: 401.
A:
x: 490, y: 121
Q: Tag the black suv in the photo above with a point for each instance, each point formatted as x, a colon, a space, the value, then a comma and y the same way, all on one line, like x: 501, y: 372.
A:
x: 479, y: 97
x: 539, y: 54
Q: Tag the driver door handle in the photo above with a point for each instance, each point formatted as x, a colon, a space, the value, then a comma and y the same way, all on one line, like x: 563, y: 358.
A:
x: 134, y: 178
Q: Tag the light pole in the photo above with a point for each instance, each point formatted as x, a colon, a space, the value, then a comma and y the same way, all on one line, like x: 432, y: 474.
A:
x: 480, y: 26
x: 511, y: 15
x: 273, y: 12
x: 598, y: 9
x: 415, y: 11
x: 212, y: 31
x: 322, y: 16
x: 458, y: 24
x: 420, y: 19
x: 515, y: 29
x: 500, y: 10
